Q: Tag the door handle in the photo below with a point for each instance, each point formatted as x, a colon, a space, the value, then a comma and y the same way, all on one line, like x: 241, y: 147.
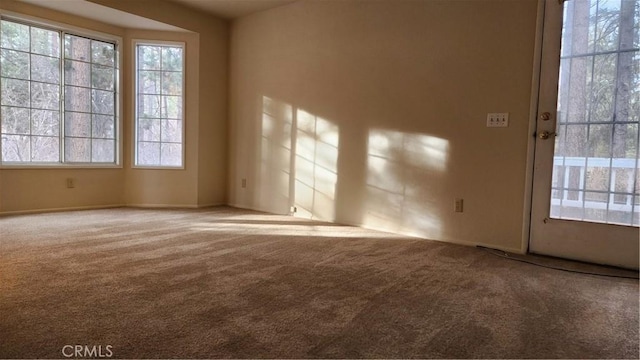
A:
x: 545, y: 116
x: 546, y: 135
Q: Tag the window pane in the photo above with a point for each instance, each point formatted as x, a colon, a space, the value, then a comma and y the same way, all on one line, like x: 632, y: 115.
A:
x: 579, y: 87
x: 149, y: 106
x: 77, y: 48
x: 77, y: 150
x: 172, y: 107
x: 102, y: 77
x: 77, y: 99
x: 103, y: 127
x: 15, y: 120
x: 172, y: 58
x: 149, y: 57
x: 607, y: 22
x: 103, y: 102
x: 171, y: 155
x: 14, y: 64
x: 622, y: 183
x: 172, y: 131
x: 149, y: 82
x: 16, y: 148
x: 616, y: 216
x: 603, y: 87
x: 14, y: 36
x: 625, y: 140
x: 594, y: 214
x: 15, y: 92
x: 45, y: 122
x: 149, y: 130
x: 45, y: 42
x: 597, y: 175
x: 45, y: 96
x: 45, y: 69
x: 77, y: 124
x: 103, y: 53
x: 575, y: 141
x: 102, y: 151
x: 77, y: 73
x: 45, y: 149
x: 148, y: 153
x: 600, y: 141
x: 171, y: 83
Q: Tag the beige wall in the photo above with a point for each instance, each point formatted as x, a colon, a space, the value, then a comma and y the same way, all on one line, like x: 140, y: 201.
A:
x: 151, y: 187
x: 212, y: 132
x: 201, y: 183
x: 373, y: 113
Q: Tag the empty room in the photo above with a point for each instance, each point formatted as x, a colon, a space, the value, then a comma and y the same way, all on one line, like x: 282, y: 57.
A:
x: 319, y: 179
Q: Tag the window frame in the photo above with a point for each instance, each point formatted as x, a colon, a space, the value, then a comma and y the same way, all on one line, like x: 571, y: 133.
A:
x: 67, y: 29
x: 134, y: 141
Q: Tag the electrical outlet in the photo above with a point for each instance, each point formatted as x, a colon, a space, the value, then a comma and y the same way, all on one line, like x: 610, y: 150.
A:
x: 497, y: 119
x: 293, y: 209
x: 458, y: 205
x: 244, y: 183
x: 71, y: 183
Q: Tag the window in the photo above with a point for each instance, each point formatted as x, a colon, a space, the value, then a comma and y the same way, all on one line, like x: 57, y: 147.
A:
x: 58, y: 97
x: 596, y: 175
x: 159, y: 104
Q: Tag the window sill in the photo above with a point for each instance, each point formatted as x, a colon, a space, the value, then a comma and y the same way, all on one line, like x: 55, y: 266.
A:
x: 57, y: 167
x: 138, y: 167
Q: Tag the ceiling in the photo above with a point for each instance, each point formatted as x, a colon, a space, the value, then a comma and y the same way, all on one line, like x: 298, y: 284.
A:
x: 231, y: 9
x: 103, y: 14
x: 227, y: 9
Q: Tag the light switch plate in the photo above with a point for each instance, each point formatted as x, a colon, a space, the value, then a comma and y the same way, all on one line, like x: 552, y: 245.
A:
x: 497, y: 119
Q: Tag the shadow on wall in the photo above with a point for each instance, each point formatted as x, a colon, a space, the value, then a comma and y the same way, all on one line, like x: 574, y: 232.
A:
x: 299, y: 168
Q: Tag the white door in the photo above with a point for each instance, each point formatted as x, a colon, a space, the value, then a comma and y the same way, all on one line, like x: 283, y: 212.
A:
x: 586, y: 201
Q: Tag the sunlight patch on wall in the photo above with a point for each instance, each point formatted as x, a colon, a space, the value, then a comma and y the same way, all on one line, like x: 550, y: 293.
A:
x: 275, y: 165
x: 401, y: 169
x: 316, y: 166
x: 299, y: 161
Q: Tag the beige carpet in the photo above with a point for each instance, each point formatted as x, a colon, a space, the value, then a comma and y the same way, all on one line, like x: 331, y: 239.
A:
x: 228, y: 283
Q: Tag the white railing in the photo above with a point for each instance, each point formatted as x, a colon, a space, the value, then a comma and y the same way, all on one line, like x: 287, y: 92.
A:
x: 623, y: 171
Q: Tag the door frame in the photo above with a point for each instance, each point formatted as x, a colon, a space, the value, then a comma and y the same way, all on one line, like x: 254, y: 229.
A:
x: 531, y: 130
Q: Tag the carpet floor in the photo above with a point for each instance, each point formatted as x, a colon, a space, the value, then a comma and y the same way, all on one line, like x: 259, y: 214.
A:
x: 229, y: 283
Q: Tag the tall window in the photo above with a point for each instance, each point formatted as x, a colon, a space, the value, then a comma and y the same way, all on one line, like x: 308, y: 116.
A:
x: 159, y: 103
x: 58, y: 97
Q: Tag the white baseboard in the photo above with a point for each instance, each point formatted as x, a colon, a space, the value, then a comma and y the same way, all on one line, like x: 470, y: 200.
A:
x: 173, y: 206
x: 163, y: 206
x: 254, y: 208
x: 49, y: 210
x: 97, y: 207
x: 212, y: 205
x: 447, y: 241
x: 488, y: 246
